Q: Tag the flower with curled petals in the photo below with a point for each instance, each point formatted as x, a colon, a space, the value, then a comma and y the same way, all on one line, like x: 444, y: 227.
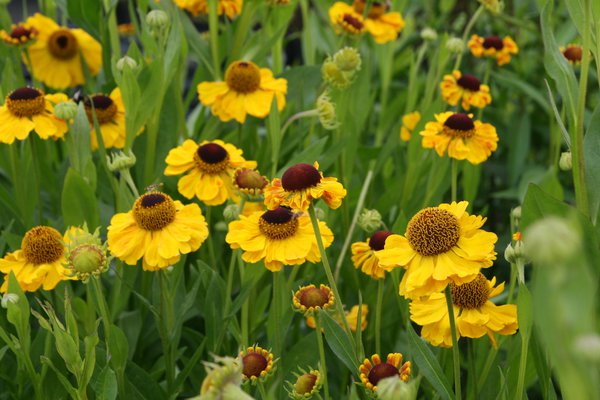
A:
x: 372, y: 371
x: 363, y: 254
x: 494, y: 47
x: 466, y: 89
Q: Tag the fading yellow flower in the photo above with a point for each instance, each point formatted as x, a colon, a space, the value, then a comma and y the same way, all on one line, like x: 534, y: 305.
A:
x: 441, y: 245
x: 19, y: 34
x: 384, y: 26
x: 57, y: 53
x: 110, y: 112
x: 463, y: 138
x: 258, y: 363
x: 363, y: 254
x: 372, y: 371
x: 231, y: 8
x: 466, y: 89
x: 351, y: 318
x: 409, y: 122
x: 310, y: 299
x: 573, y: 53
x: 474, y: 313
x: 493, y: 46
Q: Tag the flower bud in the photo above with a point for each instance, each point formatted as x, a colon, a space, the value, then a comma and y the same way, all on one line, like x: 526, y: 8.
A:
x: 369, y: 220
x: 494, y: 6
x: 119, y: 161
x: 231, y: 212
x: 126, y: 62
x: 320, y: 213
x: 157, y: 20
x: 394, y: 388
x: 66, y: 110
x: 551, y: 241
x: 348, y: 59
x: 429, y: 34
x: 85, y: 254
x: 455, y: 45
x: 327, y: 114
x: 7, y: 298
x: 250, y: 181
x: 516, y: 214
x: 566, y: 161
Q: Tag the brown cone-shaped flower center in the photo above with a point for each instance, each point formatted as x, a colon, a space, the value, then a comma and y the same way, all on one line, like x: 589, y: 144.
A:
x: 153, y: 211
x: 299, y: 177
x: 305, y: 383
x: 382, y: 371
x: 104, y: 106
x: 378, y: 8
x: 353, y: 22
x: 250, y: 179
x: 314, y: 297
x: 471, y: 295
x: 26, y: 102
x: 22, y: 33
x: 211, y: 158
x: 243, y: 76
x: 573, y: 53
x: 377, y: 240
x: 493, y: 42
x: 459, y: 125
x: 433, y: 231
x: 254, y: 364
x: 278, y: 224
x: 469, y: 82
x: 62, y: 44
x: 42, y: 245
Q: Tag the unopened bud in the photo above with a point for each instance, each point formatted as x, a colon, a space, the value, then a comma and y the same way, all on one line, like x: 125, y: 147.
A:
x: 348, y: 59
x: 66, y: 110
x: 249, y: 181
x: 429, y: 34
x: 327, y: 114
x: 231, y: 212
x: 157, y: 20
x: 119, y: 161
x: 86, y: 255
x: 7, y: 298
x: 393, y: 388
x: 126, y: 62
x: 551, y: 241
x: 455, y: 45
x: 494, y: 6
x: 369, y: 220
x: 566, y: 161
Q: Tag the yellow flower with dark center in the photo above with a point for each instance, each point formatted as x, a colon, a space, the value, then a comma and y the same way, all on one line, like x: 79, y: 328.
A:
x: 231, y: 8
x: 278, y: 237
x: 466, y: 89
x: 372, y: 371
x: 351, y: 318
x: 310, y: 299
x: 345, y: 19
x: 19, y: 34
x: 464, y: 138
x: 573, y: 53
x: 493, y: 46
x: 158, y: 230
x: 57, y: 53
x: 384, y: 26
x: 110, y: 112
x: 441, y: 245
x: 363, y: 254
x: 258, y: 363
x: 409, y: 123
x: 247, y: 90
x: 301, y: 184
x: 39, y: 262
x: 474, y: 313
x: 209, y: 168
x: 307, y: 385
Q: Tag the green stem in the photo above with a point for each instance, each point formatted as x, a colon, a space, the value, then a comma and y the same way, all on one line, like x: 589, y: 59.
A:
x: 115, y: 44
x: 246, y: 305
x: 103, y: 307
x: 307, y: 45
x: 261, y: 389
x: 380, y: 288
x: 167, y: 322
x: 454, y: 178
x: 323, y: 366
x: 213, y: 27
x: 513, y: 282
x: 211, y: 246
x: 522, y: 367
x: 472, y: 369
x: 455, y: 351
x: 467, y: 31
x: 277, y: 309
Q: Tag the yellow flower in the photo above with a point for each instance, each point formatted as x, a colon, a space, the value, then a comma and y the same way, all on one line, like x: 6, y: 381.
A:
x: 493, y: 46
x: 209, y: 168
x: 441, y: 245
x: 363, y: 254
x: 409, y: 122
x: 351, y: 318
x: 57, y: 53
x: 382, y: 25
x: 372, y: 372
x: 474, y: 313
x: 310, y: 299
x: 464, y: 138
x: 39, y: 262
x: 19, y: 34
x: 301, y: 184
x: 257, y: 363
x: 231, y: 8
x: 158, y: 230
x: 573, y: 53
x: 465, y: 88
x: 247, y: 90
x: 278, y: 237
x: 27, y: 109
x: 126, y: 29
x: 110, y: 112
x: 344, y: 18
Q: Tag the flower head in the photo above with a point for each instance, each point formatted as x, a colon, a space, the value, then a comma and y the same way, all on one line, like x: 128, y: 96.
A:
x: 494, y: 6
x: 409, y: 123
x: 110, y: 114
x: 231, y: 8
x: 369, y: 220
x: 466, y: 89
x: 85, y: 253
x: 249, y: 182
x: 257, y: 363
x: 223, y: 380
x: 495, y: 47
x: 363, y: 254
x: 341, y: 69
x: 306, y: 386
x: 573, y: 53
x: 20, y: 34
x: 372, y: 371
x: 461, y: 136
x: 327, y: 113
x: 383, y: 25
x: 310, y: 299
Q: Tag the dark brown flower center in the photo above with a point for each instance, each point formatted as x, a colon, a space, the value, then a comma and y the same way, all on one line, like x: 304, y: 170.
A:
x: 305, y: 383
x: 353, y: 22
x: 42, y: 245
x: 573, y: 53
x: 378, y: 8
x: 433, y: 231
x: 382, y: 371
x: 26, y: 102
x: 314, y: 297
x: 459, y: 125
x: 254, y: 364
x: 153, y: 211
x: 471, y: 295
x: 211, y: 158
x: 469, y: 82
x: 299, y: 177
x: 493, y: 42
x: 104, y: 106
x: 278, y: 224
x: 377, y: 241
x: 22, y: 33
x: 243, y: 76
x: 62, y: 44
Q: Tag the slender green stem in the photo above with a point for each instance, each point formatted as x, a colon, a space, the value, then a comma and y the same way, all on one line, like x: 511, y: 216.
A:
x: 454, y: 178
x: 455, y: 351
x: 167, y: 322
x: 278, y: 282
x: 323, y: 366
x: 308, y: 50
x: 466, y: 32
x: 261, y: 389
x: 513, y: 282
x: 211, y: 246
x: 246, y: 305
x: 103, y: 307
x: 522, y: 366
x: 213, y: 27
x: 380, y: 288
x: 472, y: 369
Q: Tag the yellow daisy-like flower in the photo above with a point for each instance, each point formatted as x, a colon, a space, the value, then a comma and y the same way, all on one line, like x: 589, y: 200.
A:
x: 39, y: 262
x: 441, y: 245
x: 493, y: 46
x: 351, y: 318
x: 464, y: 138
x: 250, y: 207
x: 363, y: 254
x: 301, y: 184
x: 384, y: 26
x: 278, y: 237
x: 372, y: 371
x: 231, y: 8
x: 19, y: 34
x: 27, y: 109
x: 258, y: 363
x: 57, y: 53
x: 465, y: 88
x: 208, y: 168
x: 158, y: 230
x: 247, y: 90
x: 307, y: 385
x: 344, y: 18
x: 110, y: 112
x: 409, y: 122
x: 474, y: 313
x: 573, y: 53
x: 310, y: 299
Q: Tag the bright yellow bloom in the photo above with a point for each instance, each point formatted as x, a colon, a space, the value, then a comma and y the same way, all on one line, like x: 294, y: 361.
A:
x: 231, y: 8
x: 278, y: 237
x: 345, y: 19
x: 465, y: 89
x: 110, y: 112
x: 382, y: 25
x: 441, y: 245
x: 493, y: 46
x: 464, y: 138
x: 247, y: 90
x: 39, y: 262
x: 209, y: 169
x: 573, y: 53
x: 158, y: 230
x: 310, y: 299
x: 474, y: 313
x: 409, y: 122
x: 258, y: 363
x: 351, y: 318
x: 27, y: 109
x: 57, y: 53
x: 363, y: 254
x: 372, y: 372
x: 301, y: 184
x: 19, y: 34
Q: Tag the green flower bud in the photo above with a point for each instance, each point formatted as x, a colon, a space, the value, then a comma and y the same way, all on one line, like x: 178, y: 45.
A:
x: 231, y: 212
x: 552, y: 241
x: 333, y: 75
x: 11, y: 298
x: 86, y: 255
x: 327, y: 114
x: 455, y: 45
x: 157, y: 20
x: 393, y: 388
x: 566, y: 161
x: 348, y: 59
x: 119, y: 161
x: 429, y: 34
x: 369, y: 220
x: 126, y: 62
x: 65, y: 110
x: 320, y: 213
x: 494, y: 6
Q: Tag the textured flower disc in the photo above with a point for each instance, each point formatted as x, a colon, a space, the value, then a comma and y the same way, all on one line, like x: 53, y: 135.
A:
x: 305, y: 383
x: 26, y: 102
x: 254, y: 364
x: 22, y: 34
x: 105, y: 108
x: 433, y: 231
x: 211, y: 158
x: 250, y: 179
x: 573, y: 53
x: 471, y: 295
x: 493, y: 42
x: 153, y: 211
x: 469, y: 82
x: 459, y: 125
x: 314, y: 297
x: 42, y: 245
x: 63, y: 44
x: 299, y: 177
x: 377, y: 241
x: 382, y: 371
x: 352, y: 24
x: 243, y: 76
x: 278, y: 224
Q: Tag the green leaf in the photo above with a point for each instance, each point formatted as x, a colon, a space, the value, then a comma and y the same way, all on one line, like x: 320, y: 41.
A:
x: 591, y: 158
x: 106, y: 385
x: 214, y: 310
x: 79, y: 203
x: 339, y: 342
x: 119, y: 348
x: 18, y: 313
x: 525, y: 314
